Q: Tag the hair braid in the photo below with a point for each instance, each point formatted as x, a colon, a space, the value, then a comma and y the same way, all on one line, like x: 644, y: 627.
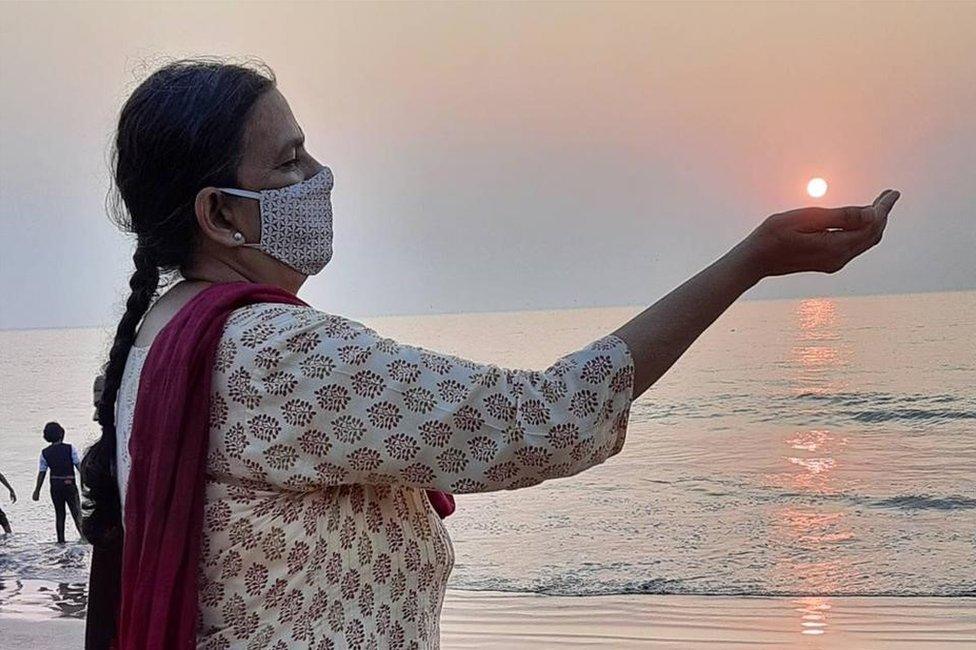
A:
x: 181, y: 130
x: 103, y: 517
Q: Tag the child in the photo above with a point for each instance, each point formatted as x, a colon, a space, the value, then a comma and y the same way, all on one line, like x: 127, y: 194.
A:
x: 13, y: 499
x: 62, y: 459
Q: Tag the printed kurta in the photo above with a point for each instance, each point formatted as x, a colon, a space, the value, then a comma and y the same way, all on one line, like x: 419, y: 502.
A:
x: 324, y: 435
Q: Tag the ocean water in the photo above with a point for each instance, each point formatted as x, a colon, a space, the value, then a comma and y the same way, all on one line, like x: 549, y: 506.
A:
x: 806, y: 448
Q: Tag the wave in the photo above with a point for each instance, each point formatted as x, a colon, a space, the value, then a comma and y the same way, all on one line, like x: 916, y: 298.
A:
x: 747, y: 489
x: 662, y: 587
x: 22, y: 558
x: 889, y: 407
x: 923, y: 502
x: 832, y: 408
x: 911, y: 414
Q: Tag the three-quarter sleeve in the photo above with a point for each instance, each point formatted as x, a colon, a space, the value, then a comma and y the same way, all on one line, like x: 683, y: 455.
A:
x: 305, y: 399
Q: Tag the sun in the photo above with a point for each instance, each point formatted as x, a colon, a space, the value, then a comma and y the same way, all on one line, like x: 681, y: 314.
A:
x: 817, y: 187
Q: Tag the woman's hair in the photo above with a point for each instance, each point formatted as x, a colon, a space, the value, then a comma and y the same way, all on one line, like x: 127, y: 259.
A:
x: 181, y: 130
x: 53, y: 432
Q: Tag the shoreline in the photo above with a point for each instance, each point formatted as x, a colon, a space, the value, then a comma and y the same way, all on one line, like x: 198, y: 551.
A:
x: 490, y: 619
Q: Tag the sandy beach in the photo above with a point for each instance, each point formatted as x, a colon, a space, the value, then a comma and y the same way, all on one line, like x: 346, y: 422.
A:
x: 479, y: 619
x: 498, y: 620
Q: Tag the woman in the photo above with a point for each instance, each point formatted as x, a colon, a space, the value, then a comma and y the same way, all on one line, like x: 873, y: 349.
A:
x: 61, y: 458
x: 309, y: 493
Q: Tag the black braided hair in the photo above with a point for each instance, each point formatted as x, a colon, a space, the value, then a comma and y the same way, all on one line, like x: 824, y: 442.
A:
x: 180, y: 131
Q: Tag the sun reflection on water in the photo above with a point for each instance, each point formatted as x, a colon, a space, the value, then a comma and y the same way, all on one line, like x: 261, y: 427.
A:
x: 813, y: 614
x: 817, y: 354
x: 817, y: 316
x: 811, y: 535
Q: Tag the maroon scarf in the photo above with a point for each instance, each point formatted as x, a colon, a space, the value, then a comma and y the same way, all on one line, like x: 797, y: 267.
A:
x: 165, y: 492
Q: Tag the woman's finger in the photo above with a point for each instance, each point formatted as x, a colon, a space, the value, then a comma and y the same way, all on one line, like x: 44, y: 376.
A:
x: 849, y: 217
x: 851, y: 243
x: 886, y: 201
x: 840, y: 246
x: 877, y: 214
x: 881, y: 196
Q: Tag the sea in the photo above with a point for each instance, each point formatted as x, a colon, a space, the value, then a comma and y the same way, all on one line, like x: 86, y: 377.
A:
x: 806, y: 447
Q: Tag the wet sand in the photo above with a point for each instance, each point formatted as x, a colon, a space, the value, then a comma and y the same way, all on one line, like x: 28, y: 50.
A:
x: 18, y: 632
x: 498, y: 620
x: 481, y: 620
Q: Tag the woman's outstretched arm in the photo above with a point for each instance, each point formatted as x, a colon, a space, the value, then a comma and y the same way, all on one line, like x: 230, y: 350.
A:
x: 807, y: 239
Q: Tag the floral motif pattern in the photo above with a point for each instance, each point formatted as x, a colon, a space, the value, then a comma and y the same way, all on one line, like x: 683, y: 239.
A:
x: 324, y: 436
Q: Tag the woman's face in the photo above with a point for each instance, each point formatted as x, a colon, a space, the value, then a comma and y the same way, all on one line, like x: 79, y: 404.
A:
x: 274, y: 147
x: 273, y: 156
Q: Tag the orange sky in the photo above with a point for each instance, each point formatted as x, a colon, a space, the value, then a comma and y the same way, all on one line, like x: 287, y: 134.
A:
x: 511, y: 156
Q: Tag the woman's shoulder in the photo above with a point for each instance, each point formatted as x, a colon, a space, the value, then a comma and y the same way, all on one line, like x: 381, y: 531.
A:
x: 264, y: 312
x: 265, y: 337
x: 263, y: 323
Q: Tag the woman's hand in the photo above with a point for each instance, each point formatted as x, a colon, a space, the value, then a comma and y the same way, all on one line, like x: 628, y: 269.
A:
x: 37, y: 495
x: 808, y: 239
x: 817, y: 239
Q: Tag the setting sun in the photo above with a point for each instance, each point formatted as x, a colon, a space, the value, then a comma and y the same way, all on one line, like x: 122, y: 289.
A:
x: 817, y: 187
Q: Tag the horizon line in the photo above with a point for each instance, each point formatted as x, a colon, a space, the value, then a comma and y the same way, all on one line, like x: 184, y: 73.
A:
x: 543, y: 309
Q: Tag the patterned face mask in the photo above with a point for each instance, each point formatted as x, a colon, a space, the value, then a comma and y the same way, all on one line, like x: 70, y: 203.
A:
x: 296, y: 222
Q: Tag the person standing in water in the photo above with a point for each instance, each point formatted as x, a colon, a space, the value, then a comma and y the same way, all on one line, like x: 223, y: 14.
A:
x: 4, y: 524
x: 62, y: 459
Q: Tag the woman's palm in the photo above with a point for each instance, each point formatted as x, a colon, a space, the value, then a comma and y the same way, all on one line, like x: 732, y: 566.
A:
x: 820, y: 239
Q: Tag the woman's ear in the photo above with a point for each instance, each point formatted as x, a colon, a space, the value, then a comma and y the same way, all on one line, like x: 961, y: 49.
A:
x: 220, y: 216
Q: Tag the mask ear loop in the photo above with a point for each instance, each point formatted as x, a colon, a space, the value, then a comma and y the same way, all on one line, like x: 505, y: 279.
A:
x: 239, y: 239
x: 247, y: 194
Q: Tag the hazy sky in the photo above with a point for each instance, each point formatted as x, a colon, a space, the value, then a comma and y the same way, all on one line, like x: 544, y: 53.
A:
x: 516, y: 156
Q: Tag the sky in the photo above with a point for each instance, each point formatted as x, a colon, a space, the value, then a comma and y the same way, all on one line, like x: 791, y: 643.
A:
x: 495, y: 157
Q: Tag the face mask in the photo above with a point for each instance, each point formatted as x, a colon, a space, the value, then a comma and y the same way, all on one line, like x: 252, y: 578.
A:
x: 296, y: 222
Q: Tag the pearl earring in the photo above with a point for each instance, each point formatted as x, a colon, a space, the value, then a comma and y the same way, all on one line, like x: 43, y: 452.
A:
x: 239, y: 237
